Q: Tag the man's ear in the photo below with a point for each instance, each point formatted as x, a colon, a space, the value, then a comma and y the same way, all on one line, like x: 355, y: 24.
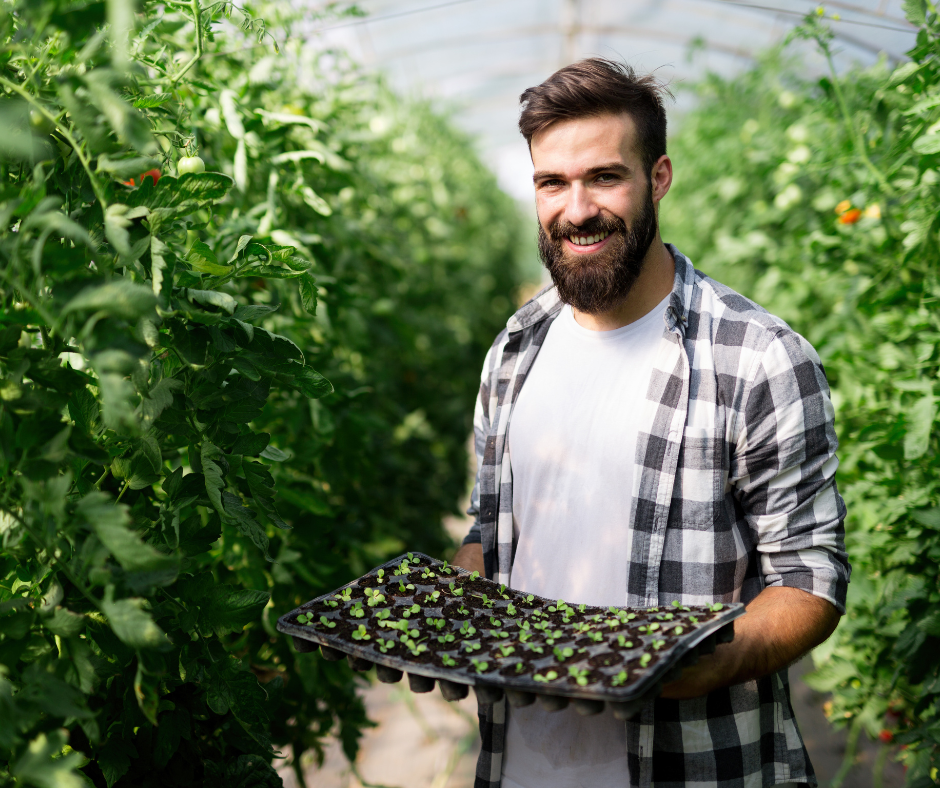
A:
x: 661, y: 177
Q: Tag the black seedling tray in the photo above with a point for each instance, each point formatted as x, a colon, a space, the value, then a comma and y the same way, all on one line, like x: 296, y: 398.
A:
x: 597, y: 644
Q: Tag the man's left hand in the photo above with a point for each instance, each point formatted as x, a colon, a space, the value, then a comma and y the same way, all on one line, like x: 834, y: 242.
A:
x: 781, y: 625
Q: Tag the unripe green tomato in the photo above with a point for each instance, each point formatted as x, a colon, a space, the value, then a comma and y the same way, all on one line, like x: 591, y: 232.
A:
x: 39, y: 123
x: 190, y: 164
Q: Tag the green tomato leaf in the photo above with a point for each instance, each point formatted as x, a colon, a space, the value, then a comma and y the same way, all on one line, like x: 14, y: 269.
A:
x: 131, y: 622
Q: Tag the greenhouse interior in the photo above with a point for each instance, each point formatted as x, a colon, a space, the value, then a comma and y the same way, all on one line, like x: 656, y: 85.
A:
x: 272, y: 276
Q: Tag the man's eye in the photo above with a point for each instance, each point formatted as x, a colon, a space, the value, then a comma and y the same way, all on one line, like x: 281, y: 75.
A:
x: 606, y: 177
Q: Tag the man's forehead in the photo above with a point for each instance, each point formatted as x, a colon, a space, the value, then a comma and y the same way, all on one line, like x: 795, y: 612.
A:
x: 585, y: 143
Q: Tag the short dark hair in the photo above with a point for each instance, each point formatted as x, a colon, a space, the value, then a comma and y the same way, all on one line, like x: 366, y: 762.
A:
x: 597, y: 86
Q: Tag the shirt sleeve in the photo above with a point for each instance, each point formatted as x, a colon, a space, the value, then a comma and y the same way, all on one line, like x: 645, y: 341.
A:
x: 481, y: 425
x: 783, y: 469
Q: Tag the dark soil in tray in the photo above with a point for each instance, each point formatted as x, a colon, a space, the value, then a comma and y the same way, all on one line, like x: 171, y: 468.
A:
x: 512, y: 671
x: 369, y: 581
x: 587, y: 676
x: 452, y: 612
x: 635, y: 665
x: 605, y: 660
x: 460, y: 660
x: 587, y: 642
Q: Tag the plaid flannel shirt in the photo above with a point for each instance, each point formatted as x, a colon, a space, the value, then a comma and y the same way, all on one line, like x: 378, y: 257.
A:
x: 735, y: 491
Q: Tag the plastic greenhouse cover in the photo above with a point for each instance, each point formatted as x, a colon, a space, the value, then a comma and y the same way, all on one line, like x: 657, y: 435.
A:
x: 474, y: 57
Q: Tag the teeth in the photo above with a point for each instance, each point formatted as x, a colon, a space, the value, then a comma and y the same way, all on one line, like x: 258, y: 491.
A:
x: 587, y: 240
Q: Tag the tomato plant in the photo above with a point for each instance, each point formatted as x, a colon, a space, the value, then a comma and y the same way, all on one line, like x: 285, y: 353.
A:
x: 821, y: 200
x: 175, y: 467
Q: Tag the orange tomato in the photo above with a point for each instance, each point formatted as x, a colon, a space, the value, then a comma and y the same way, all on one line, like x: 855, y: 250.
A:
x: 850, y: 216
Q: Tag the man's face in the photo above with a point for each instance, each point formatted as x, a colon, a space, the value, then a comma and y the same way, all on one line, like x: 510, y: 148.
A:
x: 596, y: 209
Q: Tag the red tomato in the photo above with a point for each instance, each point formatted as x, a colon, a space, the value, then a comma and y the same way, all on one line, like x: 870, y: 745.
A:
x: 155, y: 174
x: 850, y: 217
x: 886, y: 736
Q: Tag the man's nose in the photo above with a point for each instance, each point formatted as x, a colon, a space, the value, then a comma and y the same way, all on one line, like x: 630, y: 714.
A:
x: 580, y: 207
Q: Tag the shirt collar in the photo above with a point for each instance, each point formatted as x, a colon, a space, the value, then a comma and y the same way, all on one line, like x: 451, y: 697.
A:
x: 546, y: 303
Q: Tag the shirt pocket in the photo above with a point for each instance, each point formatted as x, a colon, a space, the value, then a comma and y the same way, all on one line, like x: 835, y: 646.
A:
x: 699, y: 491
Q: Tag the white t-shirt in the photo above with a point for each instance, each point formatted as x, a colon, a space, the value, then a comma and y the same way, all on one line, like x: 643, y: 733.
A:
x: 572, y: 448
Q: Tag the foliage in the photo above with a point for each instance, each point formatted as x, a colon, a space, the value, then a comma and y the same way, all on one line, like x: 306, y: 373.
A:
x: 822, y: 202
x: 175, y: 469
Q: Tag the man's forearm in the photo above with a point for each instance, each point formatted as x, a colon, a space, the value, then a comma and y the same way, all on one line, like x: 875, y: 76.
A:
x: 470, y: 557
x: 781, y: 625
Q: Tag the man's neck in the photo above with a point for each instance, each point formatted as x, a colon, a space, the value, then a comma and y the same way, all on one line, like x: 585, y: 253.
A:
x: 653, y: 285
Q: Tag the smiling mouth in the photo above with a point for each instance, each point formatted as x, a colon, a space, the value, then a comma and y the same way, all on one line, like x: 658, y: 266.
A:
x: 588, y: 240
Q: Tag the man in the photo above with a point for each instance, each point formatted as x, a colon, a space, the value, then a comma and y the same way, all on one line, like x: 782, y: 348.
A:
x: 644, y: 434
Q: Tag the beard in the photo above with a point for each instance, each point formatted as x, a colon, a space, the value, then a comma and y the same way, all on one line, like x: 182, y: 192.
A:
x: 600, y: 281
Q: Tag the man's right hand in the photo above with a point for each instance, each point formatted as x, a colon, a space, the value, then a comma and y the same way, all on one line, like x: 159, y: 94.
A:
x: 470, y: 557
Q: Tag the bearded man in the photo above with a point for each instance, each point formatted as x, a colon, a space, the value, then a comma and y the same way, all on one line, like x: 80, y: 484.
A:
x: 644, y: 434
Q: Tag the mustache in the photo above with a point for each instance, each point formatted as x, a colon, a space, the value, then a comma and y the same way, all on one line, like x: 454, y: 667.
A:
x: 596, y: 225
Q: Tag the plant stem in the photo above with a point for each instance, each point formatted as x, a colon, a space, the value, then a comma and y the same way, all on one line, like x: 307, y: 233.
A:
x: 848, y: 761
x: 123, y: 490
x: 878, y: 773
x: 857, y: 139
x: 102, y: 477
x: 95, y: 185
x: 197, y: 18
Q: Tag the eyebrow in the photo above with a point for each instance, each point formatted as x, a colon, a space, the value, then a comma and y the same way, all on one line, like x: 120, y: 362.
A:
x: 618, y: 167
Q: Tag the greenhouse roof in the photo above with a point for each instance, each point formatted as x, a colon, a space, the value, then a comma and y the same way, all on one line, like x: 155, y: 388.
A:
x: 476, y: 56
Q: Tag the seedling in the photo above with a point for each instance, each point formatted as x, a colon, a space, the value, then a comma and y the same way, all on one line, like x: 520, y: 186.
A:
x: 471, y: 646
x: 374, y: 597
x: 520, y: 666
x: 496, y: 633
x: 582, y: 607
x: 667, y: 617
x: 446, y: 638
x: 404, y: 588
x: 506, y: 649
x: 463, y: 611
x: 676, y: 604
x: 408, y: 612
x: 658, y: 644
x: 345, y: 595
x: 541, y: 625
x: 356, y: 611
x: 559, y: 606
x: 305, y: 618
x: 529, y: 599
x: 581, y: 676
x: 597, y: 637
x: 647, y: 629
x: 619, y: 680
x: 481, y: 665
x: 510, y: 609
x: 448, y: 661
x: 553, y: 637
x: 502, y: 591
x: 361, y: 633
x: 623, y: 642
x: 537, y: 649
x: 380, y: 575
x: 327, y: 623
x: 551, y: 675
x: 678, y: 630
x: 582, y: 627
x: 385, y: 644
x: 693, y: 620
x: 495, y: 622
x: 561, y: 654
x: 474, y: 575
x: 716, y: 607
x: 383, y: 614
x: 645, y: 660
x: 413, y: 646
x: 427, y: 574
x: 613, y: 623
x: 467, y: 630
x: 402, y: 568
x: 331, y: 602
x: 455, y: 591
x: 487, y: 602
x: 433, y: 596
x: 437, y: 623
x: 445, y: 569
